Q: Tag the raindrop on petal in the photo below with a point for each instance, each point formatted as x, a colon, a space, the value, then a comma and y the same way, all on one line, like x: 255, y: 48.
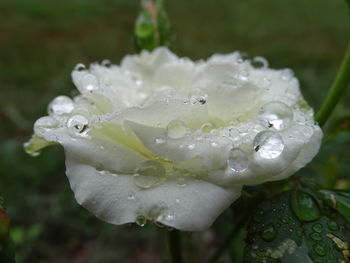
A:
x: 78, y: 125
x: 89, y: 82
x: 237, y: 160
x: 260, y: 62
x: 268, y: 145
x: 80, y: 67
x: 45, y: 124
x: 176, y: 129
x: 141, y: 220
x: 61, y: 105
x: 149, y: 174
x: 159, y: 140
x: 276, y: 114
x: 287, y: 74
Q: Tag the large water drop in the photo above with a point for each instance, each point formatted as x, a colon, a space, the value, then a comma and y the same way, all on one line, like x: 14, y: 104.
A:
x: 276, y: 114
x: 78, y: 125
x: 268, y: 145
x: 61, y: 105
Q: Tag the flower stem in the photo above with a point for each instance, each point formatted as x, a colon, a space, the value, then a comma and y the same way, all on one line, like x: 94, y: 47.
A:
x: 174, y: 240
x: 335, y: 93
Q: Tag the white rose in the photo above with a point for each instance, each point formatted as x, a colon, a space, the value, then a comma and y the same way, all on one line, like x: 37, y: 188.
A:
x: 166, y: 139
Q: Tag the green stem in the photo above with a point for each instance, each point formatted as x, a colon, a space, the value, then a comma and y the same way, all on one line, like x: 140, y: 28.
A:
x: 335, y: 93
x: 226, y: 243
x: 174, y: 240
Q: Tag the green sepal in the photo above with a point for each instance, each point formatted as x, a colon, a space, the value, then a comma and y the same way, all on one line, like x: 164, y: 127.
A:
x: 35, y: 144
x: 152, y: 26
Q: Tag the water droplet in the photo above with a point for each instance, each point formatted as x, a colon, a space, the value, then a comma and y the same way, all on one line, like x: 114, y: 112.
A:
x: 61, y: 105
x: 287, y: 74
x: 319, y: 249
x: 131, y: 196
x: 214, y: 144
x: 169, y: 216
x: 89, y: 82
x: 276, y: 114
x: 106, y: 63
x: 237, y: 160
x: 260, y: 62
x: 285, y: 219
x: 149, y: 174
x: 45, y: 124
x: 265, y: 82
x: 78, y: 125
x: 177, y: 200
x: 176, y: 129
x: 243, y: 75
x: 332, y: 225
x: 304, y: 206
x: 316, y: 236
x: 240, y: 61
x: 141, y: 220
x: 191, y: 146
x: 268, y: 145
x: 317, y: 228
x: 268, y: 233
x: 160, y: 140
x: 80, y: 67
x: 207, y: 127
x: 258, y: 217
x: 181, y: 181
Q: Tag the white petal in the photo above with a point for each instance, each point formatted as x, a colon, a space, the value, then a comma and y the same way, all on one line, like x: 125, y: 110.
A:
x: 116, y: 199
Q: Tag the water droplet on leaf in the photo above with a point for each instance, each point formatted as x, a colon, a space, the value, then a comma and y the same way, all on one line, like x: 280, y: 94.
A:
x: 304, y: 206
x: 268, y: 233
x: 319, y: 249
x: 332, y: 225
x: 317, y: 228
x: 316, y: 236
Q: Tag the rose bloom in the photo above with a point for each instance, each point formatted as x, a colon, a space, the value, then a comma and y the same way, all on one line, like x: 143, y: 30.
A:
x: 168, y: 139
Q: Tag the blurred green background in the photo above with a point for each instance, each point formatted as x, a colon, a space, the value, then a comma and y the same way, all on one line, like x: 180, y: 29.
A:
x: 42, y: 40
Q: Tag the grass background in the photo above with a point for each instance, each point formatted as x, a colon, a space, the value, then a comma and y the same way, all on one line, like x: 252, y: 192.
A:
x: 42, y: 40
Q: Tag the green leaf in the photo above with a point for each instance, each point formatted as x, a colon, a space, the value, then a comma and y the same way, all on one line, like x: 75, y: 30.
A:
x: 338, y: 200
x: 152, y: 26
x: 276, y: 235
x: 348, y: 1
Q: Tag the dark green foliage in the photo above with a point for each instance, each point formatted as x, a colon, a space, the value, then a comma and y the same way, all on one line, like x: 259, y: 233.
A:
x: 6, y: 245
x: 338, y: 200
x: 276, y: 234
